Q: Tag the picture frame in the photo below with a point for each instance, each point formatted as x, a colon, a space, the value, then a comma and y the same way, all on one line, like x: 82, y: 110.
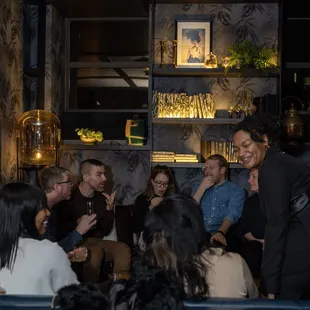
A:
x: 193, y: 42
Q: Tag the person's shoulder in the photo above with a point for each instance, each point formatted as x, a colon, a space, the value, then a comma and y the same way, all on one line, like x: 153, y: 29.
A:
x: 141, y: 197
x: 45, y: 247
x: 234, y: 186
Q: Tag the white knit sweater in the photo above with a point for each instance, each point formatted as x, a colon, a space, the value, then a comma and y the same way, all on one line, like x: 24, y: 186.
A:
x: 41, y: 268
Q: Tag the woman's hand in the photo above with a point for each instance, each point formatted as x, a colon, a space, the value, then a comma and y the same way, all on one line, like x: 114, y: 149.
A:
x: 220, y: 238
x: 155, y: 202
x: 78, y: 255
x: 271, y: 296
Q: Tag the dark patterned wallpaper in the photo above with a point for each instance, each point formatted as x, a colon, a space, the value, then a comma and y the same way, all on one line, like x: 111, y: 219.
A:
x: 232, y: 22
x: 11, y: 84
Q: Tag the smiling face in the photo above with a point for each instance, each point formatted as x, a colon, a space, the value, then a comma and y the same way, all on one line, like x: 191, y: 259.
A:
x: 249, y: 153
x: 41, y: 220
x: 213, y: 170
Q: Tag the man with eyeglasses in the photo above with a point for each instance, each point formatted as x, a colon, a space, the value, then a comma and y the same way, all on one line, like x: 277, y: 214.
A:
x: 56, y: 184
x: 221, y: 202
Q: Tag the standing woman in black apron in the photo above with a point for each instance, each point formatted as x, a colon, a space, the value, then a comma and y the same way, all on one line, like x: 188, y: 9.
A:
x: 284, y: 191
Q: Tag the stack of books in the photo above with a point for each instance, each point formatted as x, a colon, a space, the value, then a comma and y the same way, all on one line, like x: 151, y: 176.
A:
x: 171, y: 157
x: 186, y: 158
x: 163, y: 157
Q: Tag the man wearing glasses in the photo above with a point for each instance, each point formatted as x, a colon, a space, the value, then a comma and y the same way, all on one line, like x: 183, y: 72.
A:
x: 56, y: 184
x: 221, y: 202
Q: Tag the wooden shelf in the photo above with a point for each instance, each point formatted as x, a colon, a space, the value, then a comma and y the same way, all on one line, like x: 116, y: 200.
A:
x: 108, y: 110
x: 213, y: 1
x: 211, y: 121
x: 216, y: 72
x: 193, y: 165
x: 102, y: 147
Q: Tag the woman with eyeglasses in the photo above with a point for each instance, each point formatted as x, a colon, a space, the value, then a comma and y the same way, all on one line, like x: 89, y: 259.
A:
x: 27, y: 265
x: 160, y: 185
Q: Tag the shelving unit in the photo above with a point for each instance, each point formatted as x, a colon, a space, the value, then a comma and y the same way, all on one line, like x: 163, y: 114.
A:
x: 168, y: 71
x: 216, y: 72
x: 211, y: 121
x: 77, y: 145
x: 194, y: 165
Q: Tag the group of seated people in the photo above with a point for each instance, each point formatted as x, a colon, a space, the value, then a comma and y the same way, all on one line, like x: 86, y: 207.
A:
x: 207, y: 244
x: 45, y: 229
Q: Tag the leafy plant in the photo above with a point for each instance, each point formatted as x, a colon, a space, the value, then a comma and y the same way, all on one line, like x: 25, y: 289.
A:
x: 89, y: 134
x: 247, y: 54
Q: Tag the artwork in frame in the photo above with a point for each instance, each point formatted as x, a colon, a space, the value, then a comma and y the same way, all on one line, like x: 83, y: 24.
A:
x: 194, y: 42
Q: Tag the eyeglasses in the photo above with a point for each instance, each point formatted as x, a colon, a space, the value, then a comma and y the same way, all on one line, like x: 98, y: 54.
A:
x: 69, y: 182
x: 204, y: 168
x: 161, y: 184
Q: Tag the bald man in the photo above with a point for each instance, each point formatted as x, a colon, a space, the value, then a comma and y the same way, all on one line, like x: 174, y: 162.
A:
x: 88, y: 198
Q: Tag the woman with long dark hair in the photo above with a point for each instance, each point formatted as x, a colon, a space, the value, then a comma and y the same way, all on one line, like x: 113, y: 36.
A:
x: 27, y: 265
x: 178, y: 263
x: 284, y: 187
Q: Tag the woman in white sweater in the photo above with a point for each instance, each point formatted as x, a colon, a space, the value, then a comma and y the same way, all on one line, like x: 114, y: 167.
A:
x: 27, y: 265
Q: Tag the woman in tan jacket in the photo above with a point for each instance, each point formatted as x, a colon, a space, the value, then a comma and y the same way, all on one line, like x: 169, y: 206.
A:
x: 179, y: 264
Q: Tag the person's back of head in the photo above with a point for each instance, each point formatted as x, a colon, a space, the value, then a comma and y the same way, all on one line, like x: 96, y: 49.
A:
x: 175, y: 236
x: 19, y: 206
x: 81, y: 297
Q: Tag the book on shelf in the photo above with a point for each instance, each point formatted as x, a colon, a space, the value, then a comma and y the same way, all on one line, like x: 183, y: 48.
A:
x: 161, y: 156
x: 224, y: 148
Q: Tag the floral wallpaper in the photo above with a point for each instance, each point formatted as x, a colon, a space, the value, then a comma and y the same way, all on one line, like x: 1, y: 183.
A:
x: 54, y: 61
x: 11, y: 84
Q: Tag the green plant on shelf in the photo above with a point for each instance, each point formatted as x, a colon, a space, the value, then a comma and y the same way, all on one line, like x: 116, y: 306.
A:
x: 89, y: 135
x: 248, y: 55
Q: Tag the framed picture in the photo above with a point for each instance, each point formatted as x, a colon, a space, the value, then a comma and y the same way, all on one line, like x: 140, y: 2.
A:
x: 194, y: 42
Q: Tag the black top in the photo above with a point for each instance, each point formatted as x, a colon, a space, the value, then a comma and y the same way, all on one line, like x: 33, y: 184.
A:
x: 140, y: 210
x: 281, y: 178
x: 253, y: 220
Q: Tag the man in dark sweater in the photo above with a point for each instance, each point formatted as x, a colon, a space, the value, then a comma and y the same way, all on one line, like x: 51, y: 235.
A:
x: 55, y: 182
x: 88, y: 198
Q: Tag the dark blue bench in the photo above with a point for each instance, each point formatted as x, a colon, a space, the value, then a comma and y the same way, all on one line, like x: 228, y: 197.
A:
x: 249, y: 304
x: 12, y: 302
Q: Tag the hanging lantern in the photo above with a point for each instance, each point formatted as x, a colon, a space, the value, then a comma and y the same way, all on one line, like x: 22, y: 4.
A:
x: 293, y: 124
x: 38, y: 138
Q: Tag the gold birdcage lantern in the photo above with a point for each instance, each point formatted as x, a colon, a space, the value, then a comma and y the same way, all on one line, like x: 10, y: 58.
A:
x: 38, y: 138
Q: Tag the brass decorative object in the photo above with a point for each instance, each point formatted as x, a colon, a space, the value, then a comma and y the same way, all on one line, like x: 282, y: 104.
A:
x: 211, y: 61
x: 174, y: 53
x: 244, y: 105
x: 225, y: 61
x: 162, y: 51
x: 38, y: 138
x: 180, y: 105
x: 293, y: 124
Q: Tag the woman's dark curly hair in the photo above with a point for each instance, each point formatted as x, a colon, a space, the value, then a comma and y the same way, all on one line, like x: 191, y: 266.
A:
x: 259, y: 125
x: 175, y: 236
x: 170, y: 270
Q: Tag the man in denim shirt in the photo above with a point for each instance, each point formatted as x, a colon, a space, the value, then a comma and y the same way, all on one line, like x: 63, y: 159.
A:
x: 221, y: 202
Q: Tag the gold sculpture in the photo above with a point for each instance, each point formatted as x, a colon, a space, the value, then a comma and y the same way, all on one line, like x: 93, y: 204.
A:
x: 180, y: 105
x: 211, y: 61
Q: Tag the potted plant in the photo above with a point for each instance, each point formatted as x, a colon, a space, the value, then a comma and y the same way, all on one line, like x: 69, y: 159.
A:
x: 89, y: 136
x: 248, y: 55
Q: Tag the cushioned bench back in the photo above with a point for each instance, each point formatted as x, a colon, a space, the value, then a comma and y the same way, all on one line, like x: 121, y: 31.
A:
x: 234, y: 304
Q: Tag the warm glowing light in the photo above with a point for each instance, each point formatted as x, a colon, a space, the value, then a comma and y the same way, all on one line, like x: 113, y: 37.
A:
x: 38, y: 155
